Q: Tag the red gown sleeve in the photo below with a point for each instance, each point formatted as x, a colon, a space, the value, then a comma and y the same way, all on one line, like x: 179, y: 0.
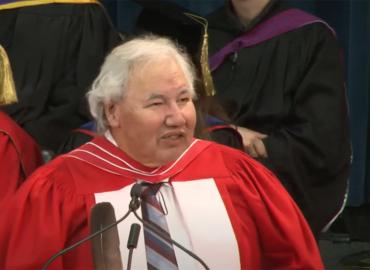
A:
x: 19, y: 156
x: 11, y: 173
x: 263, y: 213
x: 45, y: 216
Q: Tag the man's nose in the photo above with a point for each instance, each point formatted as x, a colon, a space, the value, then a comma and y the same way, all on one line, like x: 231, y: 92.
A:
x: 175, y: 116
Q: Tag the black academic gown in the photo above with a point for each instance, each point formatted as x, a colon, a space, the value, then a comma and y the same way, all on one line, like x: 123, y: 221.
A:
x: 55, y: 51
x: 291, y: 88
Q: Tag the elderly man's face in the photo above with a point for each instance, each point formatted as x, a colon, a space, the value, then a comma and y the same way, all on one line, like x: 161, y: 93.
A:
x: 155, y: 121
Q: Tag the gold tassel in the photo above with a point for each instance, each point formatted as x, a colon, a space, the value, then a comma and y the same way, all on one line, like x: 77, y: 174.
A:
x: 206, y: 72
x: 7, y: 88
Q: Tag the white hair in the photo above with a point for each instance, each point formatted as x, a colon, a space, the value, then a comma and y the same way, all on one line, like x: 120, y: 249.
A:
x: 111, y: 83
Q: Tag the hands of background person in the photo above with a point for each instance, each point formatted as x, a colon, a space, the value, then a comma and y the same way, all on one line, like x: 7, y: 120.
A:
x: 252, y: 141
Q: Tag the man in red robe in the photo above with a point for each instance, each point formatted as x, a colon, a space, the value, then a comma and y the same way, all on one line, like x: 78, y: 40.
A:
x: 221, y: 204
x: 19, y: 154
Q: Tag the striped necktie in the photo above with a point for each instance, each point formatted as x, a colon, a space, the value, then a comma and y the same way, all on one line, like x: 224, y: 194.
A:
x: 159, y: 252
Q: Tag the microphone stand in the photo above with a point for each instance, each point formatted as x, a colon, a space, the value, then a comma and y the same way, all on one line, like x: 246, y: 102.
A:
x: 52, y: 258
x: 133, y: 206
x: 132, y: 242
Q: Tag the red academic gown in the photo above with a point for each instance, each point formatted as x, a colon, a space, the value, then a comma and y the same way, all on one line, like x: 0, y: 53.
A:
x: 19, y: 156
x: 51, y: 210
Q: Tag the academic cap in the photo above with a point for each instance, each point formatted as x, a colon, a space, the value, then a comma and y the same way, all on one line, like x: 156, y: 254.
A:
x: 186, y: 28
x: 7, y: 88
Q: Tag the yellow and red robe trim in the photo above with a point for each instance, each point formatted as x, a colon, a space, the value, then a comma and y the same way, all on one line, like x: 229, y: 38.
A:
x: 9, y: 4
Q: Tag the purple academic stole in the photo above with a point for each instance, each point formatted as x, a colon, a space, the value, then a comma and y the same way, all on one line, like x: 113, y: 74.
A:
x: 282, y: 22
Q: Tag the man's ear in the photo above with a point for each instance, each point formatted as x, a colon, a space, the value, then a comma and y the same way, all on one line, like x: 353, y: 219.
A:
x: 111, y: 111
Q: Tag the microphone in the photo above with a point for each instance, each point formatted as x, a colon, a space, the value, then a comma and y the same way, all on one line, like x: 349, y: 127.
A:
x: 106, y: 251
x: 132, y: 242
x: 89, y: 237
x: 137, y: 192
x: 136, y: 195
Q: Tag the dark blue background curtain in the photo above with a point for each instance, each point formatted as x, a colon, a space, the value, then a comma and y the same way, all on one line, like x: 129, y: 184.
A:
x: 358, y: 70
x: 351, y: 20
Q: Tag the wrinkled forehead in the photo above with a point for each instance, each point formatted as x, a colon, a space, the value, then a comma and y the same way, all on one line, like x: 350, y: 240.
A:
x: 144, y: 65
x: 147, y: 64
x: 160, y: 70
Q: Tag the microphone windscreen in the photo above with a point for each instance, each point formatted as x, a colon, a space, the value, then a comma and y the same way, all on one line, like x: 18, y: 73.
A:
x: 106, y: 251
x: 136, y: 190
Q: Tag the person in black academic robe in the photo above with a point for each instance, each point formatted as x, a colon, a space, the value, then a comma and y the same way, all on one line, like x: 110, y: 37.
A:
x: 289, y: 94
x: 56, y: 50
x: 170, y: 20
